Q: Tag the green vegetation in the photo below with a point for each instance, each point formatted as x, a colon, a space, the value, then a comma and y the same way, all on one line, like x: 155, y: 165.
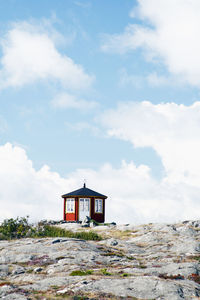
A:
x: 30, y: 271
x: 195, y: 257
x: 55, y: 287
x: 125, y: 275
x: 52, y: 231
x: 142, y: 266
x: 110, y: 253
x: 20, y: 228
x: 15, y: 228
x: 130, y: 257
x: 105, y: 272
x: 101, y: 224
x: 81, y: 273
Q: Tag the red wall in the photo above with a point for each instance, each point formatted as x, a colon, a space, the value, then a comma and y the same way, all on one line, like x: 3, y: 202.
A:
x: 71, y: 216
x: 97, y: 216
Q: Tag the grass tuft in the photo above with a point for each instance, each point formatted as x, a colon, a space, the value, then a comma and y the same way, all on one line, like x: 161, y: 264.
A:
x: 51, y: 231
x: 81, y: 273
x: 125, y: 275
x: 105, y: 272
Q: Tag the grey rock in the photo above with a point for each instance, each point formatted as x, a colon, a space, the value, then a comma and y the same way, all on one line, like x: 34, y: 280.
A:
x: 141, y: 287
x: 15, y: 296
x: 152, y: 261
x: 18, y: 270
x: 4, y: 270
x: 113, y: 243
x: 4, y: 290
x: 44, y: 284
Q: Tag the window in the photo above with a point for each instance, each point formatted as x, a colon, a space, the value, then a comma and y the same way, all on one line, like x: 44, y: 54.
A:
x: 70, y: 205
x: 84, y: 204
x: 98, y: 205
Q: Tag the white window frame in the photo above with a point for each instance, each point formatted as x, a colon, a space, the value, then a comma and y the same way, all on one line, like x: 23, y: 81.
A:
x: 82, y: 207
x: 99, y: 206
x: 70, y: 205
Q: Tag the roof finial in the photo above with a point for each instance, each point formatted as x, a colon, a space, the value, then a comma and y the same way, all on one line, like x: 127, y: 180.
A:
x: 84, y: 185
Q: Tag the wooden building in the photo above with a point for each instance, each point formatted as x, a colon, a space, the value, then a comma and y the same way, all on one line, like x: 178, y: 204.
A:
x: 84, y: 202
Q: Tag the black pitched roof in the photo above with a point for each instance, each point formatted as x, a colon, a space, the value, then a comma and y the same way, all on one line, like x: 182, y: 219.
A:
x: 84, y: 192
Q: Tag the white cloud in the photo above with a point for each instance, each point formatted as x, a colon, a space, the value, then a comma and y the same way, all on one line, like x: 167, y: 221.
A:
x: 67, y: 101
x: 135, y: 80
x: 169, y: 33
x: 25, y: 191
x: 172, y: 130
x: 152, y: 79
x: 30, y: 54
x: 121, y: 43
x: 156, y: 80
x: 133, y: 195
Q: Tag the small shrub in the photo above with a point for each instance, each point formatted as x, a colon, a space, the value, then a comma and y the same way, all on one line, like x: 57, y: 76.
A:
x: 81, y: 273
x: 105, y: 272
x: 80, y: 298
x: 125, y: 275
x: 15, y: 228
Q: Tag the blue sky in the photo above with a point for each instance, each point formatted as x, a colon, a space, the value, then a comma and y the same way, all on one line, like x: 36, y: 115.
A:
x: 93, y: 90
x: 32, y: 121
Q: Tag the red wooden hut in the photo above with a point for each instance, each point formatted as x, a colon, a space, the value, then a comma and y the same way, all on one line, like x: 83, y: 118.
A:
x: 84, y: 202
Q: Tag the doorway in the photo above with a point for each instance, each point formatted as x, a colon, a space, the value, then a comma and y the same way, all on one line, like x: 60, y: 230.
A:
x: 84, y: 208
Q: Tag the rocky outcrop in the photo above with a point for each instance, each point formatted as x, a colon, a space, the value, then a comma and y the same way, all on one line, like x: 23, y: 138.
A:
x: 153, y: 261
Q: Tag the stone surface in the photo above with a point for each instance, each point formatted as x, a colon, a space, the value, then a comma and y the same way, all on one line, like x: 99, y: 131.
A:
x: 152, y: 261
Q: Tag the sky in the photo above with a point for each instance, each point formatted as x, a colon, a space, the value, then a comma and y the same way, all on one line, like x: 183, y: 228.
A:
x: 106, y: 92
